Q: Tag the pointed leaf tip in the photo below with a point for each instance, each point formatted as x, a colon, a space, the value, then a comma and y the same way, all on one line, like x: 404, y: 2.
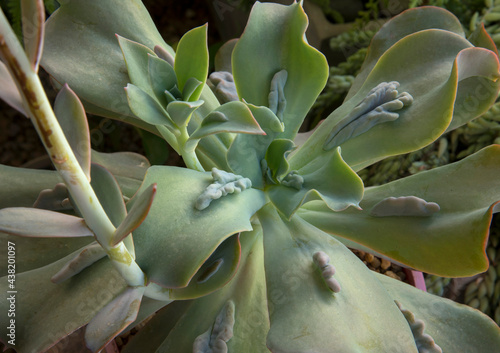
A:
x: 137, y: 214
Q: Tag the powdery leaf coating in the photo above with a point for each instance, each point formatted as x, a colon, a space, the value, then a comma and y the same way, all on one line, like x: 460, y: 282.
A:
x: 379, y: 106
x: 404, y: 206
x: 424, y: 342
x: 225, y: 183
x: 214, y: 339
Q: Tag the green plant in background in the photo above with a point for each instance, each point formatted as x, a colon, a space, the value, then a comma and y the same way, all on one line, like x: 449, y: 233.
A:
x: 245, y: 250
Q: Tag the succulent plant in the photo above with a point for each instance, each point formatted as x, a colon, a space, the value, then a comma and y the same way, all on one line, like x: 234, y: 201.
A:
x: 246, y: 249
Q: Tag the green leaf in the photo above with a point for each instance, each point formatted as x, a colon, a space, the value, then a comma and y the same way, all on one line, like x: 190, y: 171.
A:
x: 38, y: 325
x: 176, y: 238
x: 315, y: 323
x: 147, y: 108
x: 161, y: 78
x: 33, y: 222
x: 73, y: 121
x: 113, y: 318
x: 8, y: 90
x: 247, y: 151
x: 21, y: 186
x: 433, y: 92
x: 341, y: 189
x: 81, y: 48
x: 450, y: 242
x: 191, y: 88
x: 229, y: 117
x: 136, y: 215
x: 136, y: 58
x: 222, y: 61
x: 276, y: 158
x: 179, y: 324
x: 219, y: 268
x: 274, y: 40
x: 180, y: 112
x: 83, y: 259
x: 406, y: 23
x: 481, y: 38
x: 33, y: 15
x: 454, y: 327
x: 191, y: 59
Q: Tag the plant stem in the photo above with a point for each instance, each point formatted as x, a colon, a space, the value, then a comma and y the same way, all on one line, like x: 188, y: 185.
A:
x: 40, y: 111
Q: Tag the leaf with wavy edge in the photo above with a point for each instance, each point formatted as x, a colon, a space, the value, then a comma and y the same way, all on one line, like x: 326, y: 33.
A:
x: 99, y: 74
x: 274, y: 40
x: 305, y: 314
x: 454, y: 327
x: 77, y: 300
x: 73, y: 121
x: 398, y: 27
x: 434, y: 91
x: 341, y: 189
x: 481, y: 38
x: 176, y: 239
x: 449, y: 243
x: 183, y: 321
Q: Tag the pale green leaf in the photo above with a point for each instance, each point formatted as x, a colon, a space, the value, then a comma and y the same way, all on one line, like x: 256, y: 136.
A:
x: 191, y: 59
x: 73, y: 121
x: 180, y: 112
x: 33, y: 19
x: 147, y: 108
x: 450, y: 242
x: 176, y: 238
x: 273, y: 41
x: 161, y: 78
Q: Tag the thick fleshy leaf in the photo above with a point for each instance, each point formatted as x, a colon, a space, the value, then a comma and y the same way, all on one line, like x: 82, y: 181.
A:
x: 215, y: 272
x: 273, y: 41
x: 276, y: 158
x: 450, y: 242
x: 85, y: 258
x: 191, y: 59
x: 406, y: 23
x: 86, y: 30
x: 481, y: 38
x: 113, y: 318
x: 111, y: 198
x: 230, y: 117
x: 38, y: 325
x: 136, y: 214
x: 176, y: 238
x: 38, y: 252
x: 180, y: 112
x: 222, y: 61
x: 161, y: 77
x: 128, y: 168
x: 247, y: 151
x: 8, y: 90
x: 454, y: 327
x: 33, y: 222
x: 33, y: 14
x: 146, y: 107
x: 183, y: 321
x: 434, y: 92
x: 305, y: 313
x: 73, y: 121
x: 341, y: 189
x: 136, y: 57
x: 21, y: 186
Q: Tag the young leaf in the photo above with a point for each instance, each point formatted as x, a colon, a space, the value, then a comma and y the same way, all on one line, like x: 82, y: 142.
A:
x: 73, y: 121
x: 180, y: 111
x: 230, y: 117
x: 33, y: 222
x: 136, y: 215
x: 86, y: 257
x: 448, y: 243
x: 161, y: 78
x: 341, y: 189
x: 191, y: 60
x: 113, y: 318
